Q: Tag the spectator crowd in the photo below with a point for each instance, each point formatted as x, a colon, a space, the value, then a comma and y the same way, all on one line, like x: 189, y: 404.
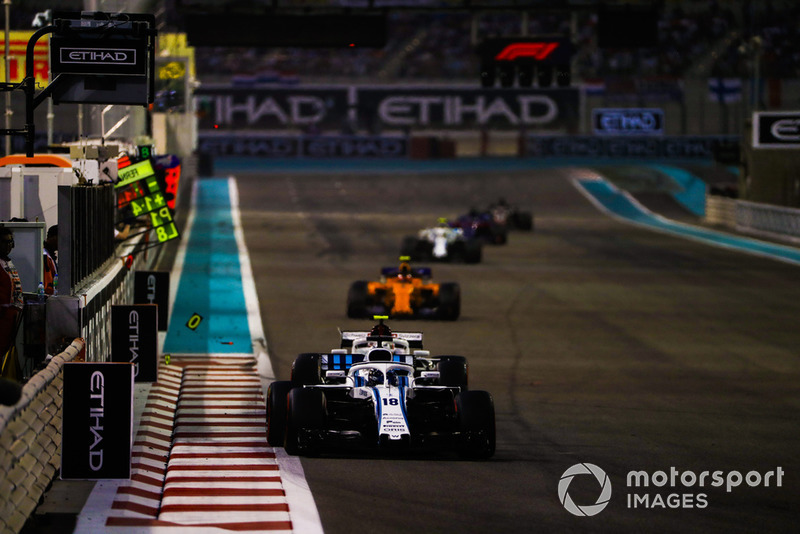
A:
x: 427, y: 44
x: 424, y: 46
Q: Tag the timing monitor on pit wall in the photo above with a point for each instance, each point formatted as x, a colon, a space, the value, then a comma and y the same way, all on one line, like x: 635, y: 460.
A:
x: 103, y: 58
x: 525, y: 59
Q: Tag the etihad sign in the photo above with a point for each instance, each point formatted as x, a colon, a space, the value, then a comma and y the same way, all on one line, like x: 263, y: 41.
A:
x: 398, y: 110
x: 98, y: 56
x: 776, y: 129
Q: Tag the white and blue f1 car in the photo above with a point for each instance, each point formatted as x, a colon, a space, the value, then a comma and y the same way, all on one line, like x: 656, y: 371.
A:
x: 442, y: 243
x: 380, y: 390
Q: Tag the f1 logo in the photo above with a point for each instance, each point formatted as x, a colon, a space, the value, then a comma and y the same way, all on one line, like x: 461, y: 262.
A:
x: 537, y: 51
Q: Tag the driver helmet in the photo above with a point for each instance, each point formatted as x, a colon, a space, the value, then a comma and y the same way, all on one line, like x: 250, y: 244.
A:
x: 381, y: 329
x: 374, y: 377
x: 394, y: 377
x: 405, y: 271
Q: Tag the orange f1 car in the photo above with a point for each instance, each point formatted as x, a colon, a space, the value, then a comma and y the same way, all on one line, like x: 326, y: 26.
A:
x: 404, y: 292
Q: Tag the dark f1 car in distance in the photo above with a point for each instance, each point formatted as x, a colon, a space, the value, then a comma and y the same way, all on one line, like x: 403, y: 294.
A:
x: 442, y: 242
x: 481, y: 226
x: 404, y: 292
x: 380, y: 390
x: 493, y: 224
x: 511, y: 217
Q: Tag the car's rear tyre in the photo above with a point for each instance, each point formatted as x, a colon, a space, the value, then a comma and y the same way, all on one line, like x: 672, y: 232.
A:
x: 523, y: 220
x: 410, y: 247
x: 424, y: 251
x: 306, y: 369
x: 453, y: 372
x: 473, y: 251
x: 357, y: 298
x: 500, y: 234
x: 476, y: 421
x: 305, y: 412
x: 449, y: 301
x: 456, y: 252
x: 277, y: 394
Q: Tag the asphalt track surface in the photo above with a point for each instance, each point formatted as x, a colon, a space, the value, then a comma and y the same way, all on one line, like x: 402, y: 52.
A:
x: 601, y: 343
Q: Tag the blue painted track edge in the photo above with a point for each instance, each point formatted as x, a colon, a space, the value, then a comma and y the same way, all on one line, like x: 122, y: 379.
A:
x: 658, y: 223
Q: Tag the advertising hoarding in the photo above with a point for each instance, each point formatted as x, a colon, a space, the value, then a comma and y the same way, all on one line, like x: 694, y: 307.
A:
x: 97, y: 424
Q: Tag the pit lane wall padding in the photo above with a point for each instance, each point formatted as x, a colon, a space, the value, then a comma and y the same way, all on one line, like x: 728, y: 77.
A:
x: 30, y: 441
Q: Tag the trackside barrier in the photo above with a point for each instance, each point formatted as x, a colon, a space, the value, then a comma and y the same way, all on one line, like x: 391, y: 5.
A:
x: 30, y: 431
x: 721, y: 211
x: 764, y: 220
x: 767, y: 219
x: 30, y: 441
x: 114, y: 285
x: 86, y: 232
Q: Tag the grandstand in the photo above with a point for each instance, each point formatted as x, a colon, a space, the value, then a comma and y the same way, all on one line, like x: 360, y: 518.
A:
x: 429, y: 40
x: 428, y: 45
x: 701, y: 45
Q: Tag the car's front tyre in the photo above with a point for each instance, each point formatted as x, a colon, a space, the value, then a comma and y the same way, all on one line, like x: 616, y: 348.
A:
x: 476, y: 421
x: 305, y: 414
x: 449, y: 301
x: 277, y: 394
x: 357, y: 298
x: 306, y: 369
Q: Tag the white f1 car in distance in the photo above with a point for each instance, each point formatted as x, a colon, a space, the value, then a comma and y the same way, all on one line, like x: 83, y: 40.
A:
x: 380, y: 390
x: 442, y: 243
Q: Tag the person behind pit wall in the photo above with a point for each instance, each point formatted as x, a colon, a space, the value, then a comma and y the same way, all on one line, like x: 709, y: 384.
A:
x: 10, y: 292
x: 122, y: 231
x: 50, y: 260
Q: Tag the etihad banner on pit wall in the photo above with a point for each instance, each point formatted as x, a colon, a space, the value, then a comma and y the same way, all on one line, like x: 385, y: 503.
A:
x: 348, y: 109
x: 307, y: 146
x: 626, y: 146
x: 97, y: 421
x: 134, y: 339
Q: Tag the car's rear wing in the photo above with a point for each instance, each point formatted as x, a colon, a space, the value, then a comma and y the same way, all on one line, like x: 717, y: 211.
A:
x: 414, y: 338
x: 418, y: 272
